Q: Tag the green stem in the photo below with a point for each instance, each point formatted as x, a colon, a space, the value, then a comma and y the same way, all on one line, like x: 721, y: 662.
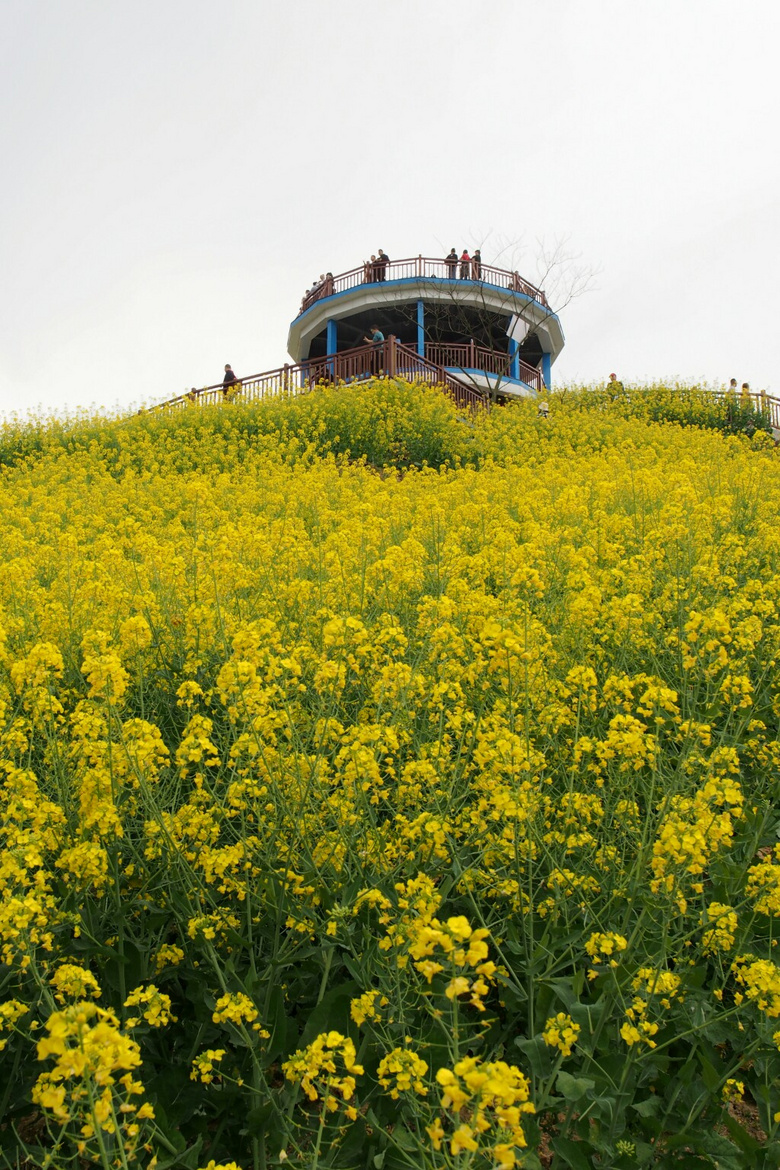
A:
x: 321, y: 1129
x: 98, y: 1131
x: 11, y: 1082
x: 326, y: 973
x: 541, y: 1100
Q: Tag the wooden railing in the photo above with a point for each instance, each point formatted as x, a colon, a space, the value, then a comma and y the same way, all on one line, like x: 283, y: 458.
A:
x: 393, y: 359
x: 759, y: 401
x: 421, y: 268
x: 410, y: 365
x: 390, y: 358
x: 478, y: 357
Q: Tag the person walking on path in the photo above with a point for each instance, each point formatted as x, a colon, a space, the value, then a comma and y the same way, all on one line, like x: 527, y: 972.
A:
x: 452, y: 264
x: 228, y: 381
x: 731, y: 399
x: 465, y: 265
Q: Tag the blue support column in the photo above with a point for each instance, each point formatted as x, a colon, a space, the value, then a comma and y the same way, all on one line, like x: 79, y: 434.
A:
x: 331, y: 342
x: 514, y: 359
x: 420, y: 329
x: 547, y: 370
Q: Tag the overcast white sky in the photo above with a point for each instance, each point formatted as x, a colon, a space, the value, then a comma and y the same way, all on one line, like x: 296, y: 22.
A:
x: 177, y: 172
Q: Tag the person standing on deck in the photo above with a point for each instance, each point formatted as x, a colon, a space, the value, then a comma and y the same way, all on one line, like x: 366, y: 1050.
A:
x: 377, y: 339
x: 476, y: 265
x: 465, y: 265
x: 382, y: 262
x: 452, y: 264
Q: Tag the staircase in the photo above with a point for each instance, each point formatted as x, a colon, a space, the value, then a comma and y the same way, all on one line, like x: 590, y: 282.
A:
x: 389, y: 358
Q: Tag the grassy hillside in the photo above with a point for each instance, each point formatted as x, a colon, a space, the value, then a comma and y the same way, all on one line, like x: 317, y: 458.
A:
x: 387, y: 788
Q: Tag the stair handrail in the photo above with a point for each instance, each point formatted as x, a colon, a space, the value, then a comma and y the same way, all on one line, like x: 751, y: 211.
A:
x: 301, y: 377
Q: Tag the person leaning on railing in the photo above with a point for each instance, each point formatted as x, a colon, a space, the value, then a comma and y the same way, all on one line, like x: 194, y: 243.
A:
x: 377, y: 339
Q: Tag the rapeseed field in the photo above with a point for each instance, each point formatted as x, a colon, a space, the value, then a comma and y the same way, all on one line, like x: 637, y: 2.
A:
x: 386, y: 788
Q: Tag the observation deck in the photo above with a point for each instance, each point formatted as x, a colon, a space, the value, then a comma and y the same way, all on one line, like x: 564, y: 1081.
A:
x: 486, y: 326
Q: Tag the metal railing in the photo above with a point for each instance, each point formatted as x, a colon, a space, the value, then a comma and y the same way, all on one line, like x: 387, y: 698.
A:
x: 421, y: 268
x: 389, y: 358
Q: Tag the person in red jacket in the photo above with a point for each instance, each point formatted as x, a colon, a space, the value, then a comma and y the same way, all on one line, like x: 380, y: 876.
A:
x: 465, y: 265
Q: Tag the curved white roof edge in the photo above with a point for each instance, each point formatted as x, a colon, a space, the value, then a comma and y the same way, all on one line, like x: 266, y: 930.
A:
x: 493, y: 383
x: 476, y: 294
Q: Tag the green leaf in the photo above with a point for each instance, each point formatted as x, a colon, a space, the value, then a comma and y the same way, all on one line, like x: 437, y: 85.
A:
x: 575, y: 1155
x: 603, y: 1108
x: 649, y: 1107
x: 573, y: 1088
x: 331, y: 1014
x: 256, y: 1120
x: 589, y: 1015
x: 691, y: 1162
x: 709, y: 1073
x: 644, y: 1153
x: 537, y: 1054
x: 278, y: 1024
x: 186, y: 1160
x: 403, y: 1139
x: 741, y: 1136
